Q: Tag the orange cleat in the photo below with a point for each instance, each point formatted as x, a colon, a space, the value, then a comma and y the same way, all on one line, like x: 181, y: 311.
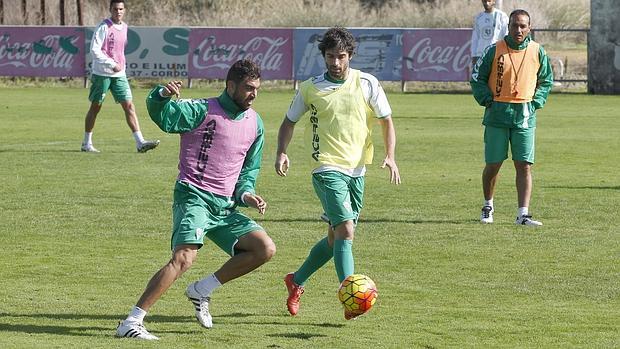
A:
x: 294, y: 293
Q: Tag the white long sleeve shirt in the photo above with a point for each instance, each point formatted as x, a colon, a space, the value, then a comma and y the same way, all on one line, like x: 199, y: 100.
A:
x: 103, y: 64
x: 488, y: 29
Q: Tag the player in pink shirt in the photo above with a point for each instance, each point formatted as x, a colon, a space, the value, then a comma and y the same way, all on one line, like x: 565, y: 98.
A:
x: 108, y: 73
x: 220, y: 155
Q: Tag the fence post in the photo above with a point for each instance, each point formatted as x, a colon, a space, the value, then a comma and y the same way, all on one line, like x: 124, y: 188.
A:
x: 588, y: 47
x: 80, y: 7
x: 43, y: 12
x: 61, y: 6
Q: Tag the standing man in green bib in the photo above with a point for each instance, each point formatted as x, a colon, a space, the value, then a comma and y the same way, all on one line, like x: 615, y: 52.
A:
x: 343, y: 104
x: 512, y: 80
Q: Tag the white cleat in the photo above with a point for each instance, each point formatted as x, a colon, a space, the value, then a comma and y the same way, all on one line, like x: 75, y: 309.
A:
x: 134, y: 330
x: 527, y: 220
x: 201, y: 304
x: 486, y: 217
x: 147, y: 145
x: 88, y: 148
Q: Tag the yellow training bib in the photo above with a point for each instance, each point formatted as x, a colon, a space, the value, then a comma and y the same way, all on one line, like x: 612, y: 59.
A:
x: 339, y: 130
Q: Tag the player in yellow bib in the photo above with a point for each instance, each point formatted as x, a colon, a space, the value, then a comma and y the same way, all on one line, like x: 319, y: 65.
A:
x: 340, y: 107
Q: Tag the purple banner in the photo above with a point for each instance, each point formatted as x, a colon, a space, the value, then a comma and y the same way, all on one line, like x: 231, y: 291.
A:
x: 41, y: 51
x: 378, y: 52
x: 213, y: 50
x: 436, y: 54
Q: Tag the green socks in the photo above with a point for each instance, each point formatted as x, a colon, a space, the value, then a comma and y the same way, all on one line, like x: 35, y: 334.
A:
x: 320, y: 254
x: 343, y: 258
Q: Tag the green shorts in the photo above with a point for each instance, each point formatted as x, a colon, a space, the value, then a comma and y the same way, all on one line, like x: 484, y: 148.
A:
x: 341, y: 195
x: 196, y: 214
x: 101, y: 84
x: 497, y: 139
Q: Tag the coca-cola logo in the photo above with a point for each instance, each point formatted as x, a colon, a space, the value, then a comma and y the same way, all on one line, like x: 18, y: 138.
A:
x: 50, y: 52
x: 423, y: 56
x: 263, y: 50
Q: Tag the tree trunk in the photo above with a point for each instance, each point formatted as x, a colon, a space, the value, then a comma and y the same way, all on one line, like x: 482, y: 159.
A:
x: 80, y: 10
x: 62, y: 11
x: 43, y: 12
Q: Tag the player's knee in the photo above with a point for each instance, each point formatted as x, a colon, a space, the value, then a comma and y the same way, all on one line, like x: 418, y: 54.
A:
x: 493, y: 167
x: 181, y: 265
x: 95, y: 108
x: 128, y: 106
x: 345, y: 231
x: 270, y: 250
x: 267, y: 251
x: 522, y: 166
x: 183, y: 260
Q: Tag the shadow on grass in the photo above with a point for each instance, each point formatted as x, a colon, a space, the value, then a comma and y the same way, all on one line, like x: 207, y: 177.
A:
x: 94, y: 330
x: 153, y: 318
x: 416, y: 221
x: 39, y: 151
x: 219, y: 320
x: 373, y: 221
x: 68, y: 151
x: 84, y: 331
x: 59, y: 330
x: 288, y: 323
x: 300, y: 335
x: 595, y: 187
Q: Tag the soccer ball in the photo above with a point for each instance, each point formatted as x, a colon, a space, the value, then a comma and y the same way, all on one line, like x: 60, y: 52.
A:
x: 357, y: 293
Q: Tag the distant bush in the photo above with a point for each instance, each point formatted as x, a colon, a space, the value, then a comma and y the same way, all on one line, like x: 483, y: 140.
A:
x: 348, y: 13
x: 297, y: 13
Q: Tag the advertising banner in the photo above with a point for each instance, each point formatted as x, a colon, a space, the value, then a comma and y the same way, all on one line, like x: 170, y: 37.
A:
x: 378, y: 52
x: 390, y: 54
x: 41, y: 51
x: 436, y: 54
x: 152, y: 52
x: 214, y: 50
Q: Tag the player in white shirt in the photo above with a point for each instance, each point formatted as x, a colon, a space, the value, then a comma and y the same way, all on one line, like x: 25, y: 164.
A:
x: 490, y: 26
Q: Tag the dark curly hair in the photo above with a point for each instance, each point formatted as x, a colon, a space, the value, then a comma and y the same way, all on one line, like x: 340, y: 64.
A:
x: 339, y: 38
x: 241, y: 69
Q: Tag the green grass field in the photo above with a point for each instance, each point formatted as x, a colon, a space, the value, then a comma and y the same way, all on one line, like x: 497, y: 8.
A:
x: 82, y: 234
